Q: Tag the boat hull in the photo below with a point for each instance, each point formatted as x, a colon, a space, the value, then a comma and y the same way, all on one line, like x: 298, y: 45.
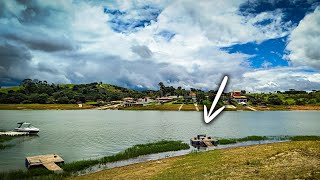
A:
x: 30, y: 131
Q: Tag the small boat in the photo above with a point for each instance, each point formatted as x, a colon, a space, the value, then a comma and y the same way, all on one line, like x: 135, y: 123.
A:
x: 26, y: 127
x: 204, y: 140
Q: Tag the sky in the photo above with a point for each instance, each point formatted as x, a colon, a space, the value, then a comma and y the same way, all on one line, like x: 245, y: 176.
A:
x: 263, y: 45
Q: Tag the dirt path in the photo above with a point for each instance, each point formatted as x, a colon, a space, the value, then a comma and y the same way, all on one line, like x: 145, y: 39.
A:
x: 251, y: 108
x: 180, y: 107
x: 196, y: 106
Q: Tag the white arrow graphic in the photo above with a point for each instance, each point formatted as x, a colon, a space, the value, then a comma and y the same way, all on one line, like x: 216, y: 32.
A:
x: 209, y: 117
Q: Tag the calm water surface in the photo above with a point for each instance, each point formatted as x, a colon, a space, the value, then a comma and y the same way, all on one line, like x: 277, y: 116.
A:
x: 77, y: 135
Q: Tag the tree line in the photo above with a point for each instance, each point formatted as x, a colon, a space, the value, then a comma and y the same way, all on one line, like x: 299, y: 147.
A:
x: 36, y: 91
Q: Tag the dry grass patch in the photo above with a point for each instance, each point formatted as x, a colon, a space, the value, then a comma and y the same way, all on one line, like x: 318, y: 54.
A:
x: 289, y: 160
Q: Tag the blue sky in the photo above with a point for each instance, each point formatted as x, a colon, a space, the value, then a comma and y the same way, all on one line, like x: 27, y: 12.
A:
x: 263, y: 45
x: 268, y: 53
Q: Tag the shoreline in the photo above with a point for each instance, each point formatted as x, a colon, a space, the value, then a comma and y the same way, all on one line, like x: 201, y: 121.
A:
x: 290, y: 156
x: 141, y: 154
x: 168, y: 155
x: 154, y: 107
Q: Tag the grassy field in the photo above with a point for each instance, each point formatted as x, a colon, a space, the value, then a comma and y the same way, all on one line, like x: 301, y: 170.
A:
x: 5, y: 90
x: 43, y: 106
x: 288, y: 160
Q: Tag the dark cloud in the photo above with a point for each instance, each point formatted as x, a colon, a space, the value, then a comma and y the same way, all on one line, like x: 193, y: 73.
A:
x: 38, y: 40
x: 14, y: 61
x: 142, y: 51
x: 37, y: 26
x: 32, y: 12
x: 293, y: 11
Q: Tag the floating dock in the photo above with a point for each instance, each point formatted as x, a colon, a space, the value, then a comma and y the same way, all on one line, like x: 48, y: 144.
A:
x: 49, y: 161
x: 204, y: 140
x: 13, y: 133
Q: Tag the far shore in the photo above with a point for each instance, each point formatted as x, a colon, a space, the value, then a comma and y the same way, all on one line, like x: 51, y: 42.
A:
x: 44, y: 107
x: 164, y: 107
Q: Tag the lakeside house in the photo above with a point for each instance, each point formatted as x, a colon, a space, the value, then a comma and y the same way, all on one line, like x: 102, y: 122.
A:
x: 146, y: 100
x: 193, y: 96
x: 236, y: 96
x: 164, y: 99
x: 116, y: 102
x: 128, y: 101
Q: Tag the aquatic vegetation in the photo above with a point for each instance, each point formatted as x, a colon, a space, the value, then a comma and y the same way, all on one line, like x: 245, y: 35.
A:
x: 263, y: 138
x: 144, y: 149
x: 132, y: 152
x: 227, y: 141
x: 304, y: 138
x: 248, y: 138
x: 78, y: 165
x: 5, y: 139
x: 30, y: 174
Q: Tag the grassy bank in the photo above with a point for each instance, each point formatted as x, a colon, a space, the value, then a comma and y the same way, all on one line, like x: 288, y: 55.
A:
x: 262, y: 138
x: 43, y: 107
x: 164, y: 107
x: 69, y: 168
x: 135, y: 151
x: 287, y: 108
x: 288, y: 160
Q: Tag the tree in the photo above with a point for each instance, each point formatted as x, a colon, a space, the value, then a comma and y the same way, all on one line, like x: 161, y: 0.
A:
x: 162, y: 88
x: 63, y: 100
x: 275, y: 100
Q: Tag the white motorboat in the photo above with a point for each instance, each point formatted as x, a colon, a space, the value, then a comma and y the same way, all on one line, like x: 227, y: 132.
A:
x: 26, y: 127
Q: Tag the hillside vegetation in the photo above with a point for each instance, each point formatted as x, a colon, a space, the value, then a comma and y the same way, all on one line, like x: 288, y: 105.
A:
x: 33, y: 91
x: 41, y: 92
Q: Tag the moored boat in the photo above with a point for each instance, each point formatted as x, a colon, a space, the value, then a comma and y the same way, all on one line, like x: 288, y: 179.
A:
x: 203, y: 140
x: 26, y: 127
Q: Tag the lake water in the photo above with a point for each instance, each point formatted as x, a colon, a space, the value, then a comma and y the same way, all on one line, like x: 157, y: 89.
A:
x: 77, y: 135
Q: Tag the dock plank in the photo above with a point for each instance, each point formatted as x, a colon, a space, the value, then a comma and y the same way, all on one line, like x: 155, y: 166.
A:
x: 208, y: 143
x: 49, y: 161
x: 52, y: 166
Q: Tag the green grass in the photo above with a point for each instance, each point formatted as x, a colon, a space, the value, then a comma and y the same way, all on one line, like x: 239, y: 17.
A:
x: 248, y: 138
x: 70, y: 86
x: 69, y: 168
x: 5, y: 90
x: 36, y: 173
x: 75, y: 166
x: 289, y: 160
x: 110, y: 87
x: 144, y: 149
x: 132, y: 152
x: 91, y: 103
x: 304, y: 138
x: 262, y: 138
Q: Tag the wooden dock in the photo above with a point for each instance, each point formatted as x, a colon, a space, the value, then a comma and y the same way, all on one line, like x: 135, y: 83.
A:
x: 49, y: 161
x: 13, y: 133
x: 208, y: 143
